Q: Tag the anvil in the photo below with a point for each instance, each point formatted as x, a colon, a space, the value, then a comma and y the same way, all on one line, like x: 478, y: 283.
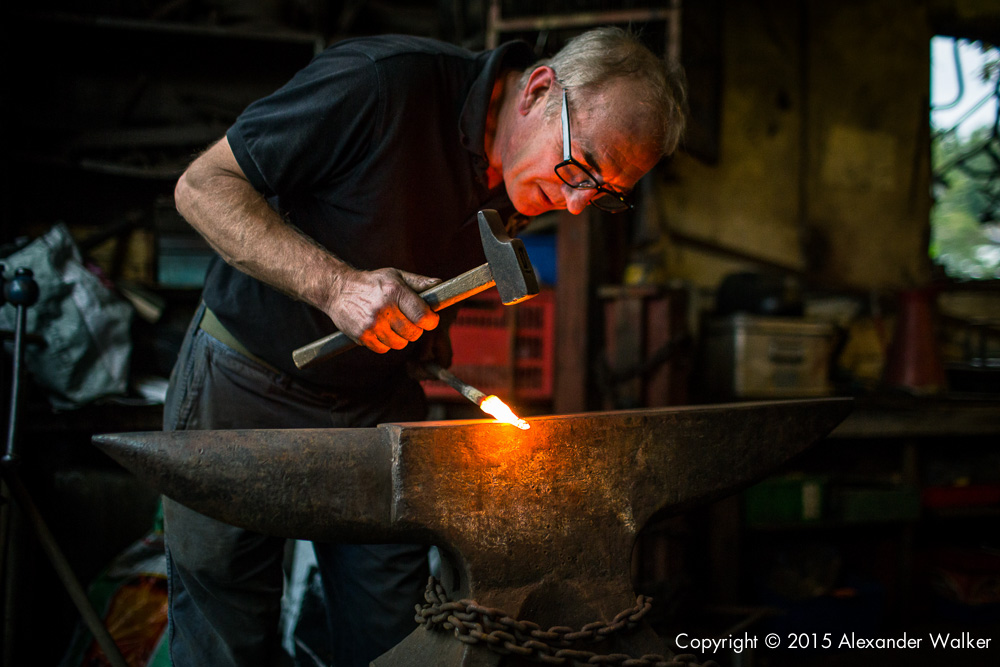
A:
x: 537, y: 523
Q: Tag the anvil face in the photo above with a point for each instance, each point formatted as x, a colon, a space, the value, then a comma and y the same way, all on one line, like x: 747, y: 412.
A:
x: 538, y: 522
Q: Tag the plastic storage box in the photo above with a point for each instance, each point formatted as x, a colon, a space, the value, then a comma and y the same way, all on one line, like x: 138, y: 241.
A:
x: 751, y: 356
x: 787, y: 500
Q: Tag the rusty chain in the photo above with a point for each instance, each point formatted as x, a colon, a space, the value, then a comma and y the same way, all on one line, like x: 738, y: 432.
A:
x: 473, y: 623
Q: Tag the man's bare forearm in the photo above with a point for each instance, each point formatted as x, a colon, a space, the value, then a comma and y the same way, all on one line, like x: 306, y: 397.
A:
x: 379, y: 308
x: 215, y: 197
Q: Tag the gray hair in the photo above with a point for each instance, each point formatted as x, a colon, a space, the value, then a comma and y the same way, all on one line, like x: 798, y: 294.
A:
x: 591, y: 60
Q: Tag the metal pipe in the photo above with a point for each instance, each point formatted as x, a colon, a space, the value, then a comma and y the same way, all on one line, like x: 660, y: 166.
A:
x: 65, y: 573
x: 22, y: 292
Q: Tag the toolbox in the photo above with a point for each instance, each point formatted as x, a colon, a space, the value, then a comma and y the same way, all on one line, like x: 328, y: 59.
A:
x: 753, y: 356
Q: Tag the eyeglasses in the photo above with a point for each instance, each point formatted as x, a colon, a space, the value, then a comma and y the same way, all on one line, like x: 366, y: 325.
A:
x: 576, y: 176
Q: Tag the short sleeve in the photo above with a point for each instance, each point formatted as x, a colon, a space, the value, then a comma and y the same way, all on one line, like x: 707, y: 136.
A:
x: 313, y: 129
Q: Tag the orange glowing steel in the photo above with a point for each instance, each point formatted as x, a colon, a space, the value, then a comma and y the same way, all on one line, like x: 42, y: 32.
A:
x: 494, y: 406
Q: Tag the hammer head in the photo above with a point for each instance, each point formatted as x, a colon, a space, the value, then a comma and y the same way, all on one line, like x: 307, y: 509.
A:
x: 508, y: 260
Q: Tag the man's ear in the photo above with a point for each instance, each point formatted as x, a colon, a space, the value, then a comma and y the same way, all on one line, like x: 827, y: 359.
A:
x: 536, y: 89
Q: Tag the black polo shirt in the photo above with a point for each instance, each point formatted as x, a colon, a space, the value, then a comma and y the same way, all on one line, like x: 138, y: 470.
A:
x: 375, y: 149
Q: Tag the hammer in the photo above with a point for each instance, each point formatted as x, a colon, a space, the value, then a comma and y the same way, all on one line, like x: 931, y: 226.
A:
x: 507, y: 266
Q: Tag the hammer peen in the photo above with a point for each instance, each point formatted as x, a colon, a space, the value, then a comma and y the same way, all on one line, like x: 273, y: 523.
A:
x: 507, y: 267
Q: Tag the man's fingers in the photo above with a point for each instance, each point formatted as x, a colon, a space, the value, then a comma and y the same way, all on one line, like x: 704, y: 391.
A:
x: 371, y: 341
x: 417, y: 311
x: 405, y: 328
x: 417, y: 282
x: 392, y: 339
x: 415, y: 308
x: 392, y: 333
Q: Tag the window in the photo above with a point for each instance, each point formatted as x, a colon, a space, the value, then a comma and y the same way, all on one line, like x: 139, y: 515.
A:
x: 965, y: 158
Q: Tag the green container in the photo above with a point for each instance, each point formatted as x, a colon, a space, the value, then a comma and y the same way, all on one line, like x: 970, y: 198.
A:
x: 792, y: 499
x: 875, y: 503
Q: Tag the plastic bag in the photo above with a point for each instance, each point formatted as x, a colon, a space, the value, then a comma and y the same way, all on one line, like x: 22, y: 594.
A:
x: 86, y: 326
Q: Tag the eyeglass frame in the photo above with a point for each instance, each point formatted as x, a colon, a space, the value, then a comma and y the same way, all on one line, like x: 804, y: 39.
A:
x: 568, y: 159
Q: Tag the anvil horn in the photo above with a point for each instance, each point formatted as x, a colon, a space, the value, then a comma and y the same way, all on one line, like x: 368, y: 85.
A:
x: 274, y: 482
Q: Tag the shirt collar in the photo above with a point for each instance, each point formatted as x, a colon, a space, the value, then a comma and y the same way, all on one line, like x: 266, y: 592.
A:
x: 472, y: 124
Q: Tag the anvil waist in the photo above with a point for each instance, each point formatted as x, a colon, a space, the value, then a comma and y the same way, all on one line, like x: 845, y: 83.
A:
x: 211, y: 325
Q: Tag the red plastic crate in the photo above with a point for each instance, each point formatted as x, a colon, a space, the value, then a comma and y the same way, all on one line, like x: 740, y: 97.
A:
x: 973, y: 495
x: 503, y: 350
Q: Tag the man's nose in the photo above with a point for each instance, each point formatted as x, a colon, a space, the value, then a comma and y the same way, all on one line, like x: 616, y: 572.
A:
x: 577, y: 200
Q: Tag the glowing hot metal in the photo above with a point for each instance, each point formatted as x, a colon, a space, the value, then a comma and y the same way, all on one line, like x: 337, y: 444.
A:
x: 494, y: 406
x: 489, y: 404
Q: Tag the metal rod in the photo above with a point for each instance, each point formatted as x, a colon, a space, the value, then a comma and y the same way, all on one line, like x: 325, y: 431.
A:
x: 22, y: 292
x: 10, y: 452
x: 464, y: 388
x: 583, y: 19
x: 6, y: 529
x: 66, y: 575
x: 11, y: 527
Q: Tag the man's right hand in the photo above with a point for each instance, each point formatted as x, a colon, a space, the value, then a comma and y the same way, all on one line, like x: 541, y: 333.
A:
x: 381, y: 309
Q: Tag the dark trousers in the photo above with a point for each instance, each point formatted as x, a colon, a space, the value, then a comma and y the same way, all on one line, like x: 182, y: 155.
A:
x: 225, y: 582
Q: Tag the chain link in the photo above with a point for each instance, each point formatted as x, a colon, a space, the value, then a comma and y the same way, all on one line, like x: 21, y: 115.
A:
x: 474, y: 624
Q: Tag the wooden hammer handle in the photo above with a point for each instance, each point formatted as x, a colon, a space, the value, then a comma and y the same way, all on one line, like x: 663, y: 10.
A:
x: 438, y: 297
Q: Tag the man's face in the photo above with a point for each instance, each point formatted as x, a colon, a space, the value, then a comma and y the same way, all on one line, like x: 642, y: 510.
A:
x: 607, y: 141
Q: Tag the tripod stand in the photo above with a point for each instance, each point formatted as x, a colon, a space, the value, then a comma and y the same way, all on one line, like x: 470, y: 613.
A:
x: 22, y: 292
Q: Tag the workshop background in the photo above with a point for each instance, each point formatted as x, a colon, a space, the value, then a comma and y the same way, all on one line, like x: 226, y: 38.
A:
x: 787, y: 250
